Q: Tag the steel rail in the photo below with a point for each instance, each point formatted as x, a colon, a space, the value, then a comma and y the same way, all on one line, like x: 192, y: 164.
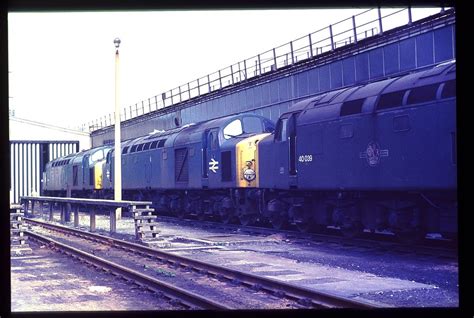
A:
x: 385, y: 241
x: 307, y: 297
x: 187, y: 298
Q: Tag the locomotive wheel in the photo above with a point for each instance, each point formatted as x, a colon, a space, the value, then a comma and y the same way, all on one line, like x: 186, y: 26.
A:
x: 410, y: 236
x: 279, y: 221
x: 303, y: 225
x: 302, y: 220
x: 181, y: 214
x: 352, y: 230
x: 247, y: 219
x: 201, y: 215
x: 226, y: 215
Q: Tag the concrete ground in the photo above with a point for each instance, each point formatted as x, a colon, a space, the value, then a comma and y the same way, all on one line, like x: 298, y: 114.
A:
x: 49, y: 281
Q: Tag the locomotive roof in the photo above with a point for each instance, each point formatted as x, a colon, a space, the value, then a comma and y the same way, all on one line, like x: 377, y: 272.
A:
x: 193, y: 131
x: 439, y: 73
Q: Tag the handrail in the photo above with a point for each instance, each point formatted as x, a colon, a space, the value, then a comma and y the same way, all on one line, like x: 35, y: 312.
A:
x: 76, y: 202
x: 84, y: 201
x: 303, y: 48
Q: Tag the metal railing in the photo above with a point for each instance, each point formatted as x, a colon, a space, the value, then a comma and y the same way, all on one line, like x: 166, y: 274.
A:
x: 68, y: 204
x: 345, y: 32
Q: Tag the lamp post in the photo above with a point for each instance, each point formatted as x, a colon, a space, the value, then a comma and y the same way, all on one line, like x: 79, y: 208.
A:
x: 118, y: 152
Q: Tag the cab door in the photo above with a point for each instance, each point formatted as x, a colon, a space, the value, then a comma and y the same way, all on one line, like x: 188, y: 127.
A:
x: 285, y: 145
x: 211, y: 169
x: 85, y: 171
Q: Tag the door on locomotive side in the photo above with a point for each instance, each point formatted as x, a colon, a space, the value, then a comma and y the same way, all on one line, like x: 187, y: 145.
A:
x: 285, y: 145
x: 211, y: 172
x: 85, y: 172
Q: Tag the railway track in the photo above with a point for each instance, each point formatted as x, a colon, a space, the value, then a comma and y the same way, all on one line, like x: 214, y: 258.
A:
x: 230, y: 288
x: 174, y: 294
x: 436, y: 248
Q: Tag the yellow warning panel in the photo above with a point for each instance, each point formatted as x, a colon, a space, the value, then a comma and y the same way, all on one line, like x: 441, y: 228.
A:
x: 247, y: 161
x: 98, y: 175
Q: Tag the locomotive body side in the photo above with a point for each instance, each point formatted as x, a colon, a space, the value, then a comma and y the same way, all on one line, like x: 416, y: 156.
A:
x: 378, y: 156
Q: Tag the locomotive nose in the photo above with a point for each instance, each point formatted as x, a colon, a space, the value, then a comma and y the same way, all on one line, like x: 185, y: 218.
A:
x: 247, y: 161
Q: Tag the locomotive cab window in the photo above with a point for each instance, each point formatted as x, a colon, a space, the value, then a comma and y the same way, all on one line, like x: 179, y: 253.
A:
x: 96, y: 156
x: 281, y: 130
x: 252, y: 125
x: 233, y: 129
x: 449, y: 89
x: 269, y: 127
x: 213, y: 139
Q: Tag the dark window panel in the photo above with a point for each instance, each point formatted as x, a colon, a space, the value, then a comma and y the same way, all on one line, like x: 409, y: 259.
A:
x: 422, y: 94
x: 352, y: 107
x: 389, y: 100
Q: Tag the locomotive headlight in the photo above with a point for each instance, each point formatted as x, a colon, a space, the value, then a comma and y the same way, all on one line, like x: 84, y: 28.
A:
x: 249, y: 174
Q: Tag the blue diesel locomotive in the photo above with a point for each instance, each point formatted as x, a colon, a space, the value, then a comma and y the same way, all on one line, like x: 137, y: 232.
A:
x: 379, y: 156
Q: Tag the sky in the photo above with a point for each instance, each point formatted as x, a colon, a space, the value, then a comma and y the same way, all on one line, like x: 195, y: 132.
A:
x: 62, y: 65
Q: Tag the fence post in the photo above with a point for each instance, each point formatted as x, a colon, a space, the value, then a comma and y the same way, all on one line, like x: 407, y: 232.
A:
x: 274, y: 58
x: 199, y: 88
x: 292, y: 53
x: 113, y: 221
x: 232, y: 73
x: 259, y: 66
x: 245, y: 70
x: 380, y: 20
x: 220, y: 79
x: 67, y: 216
x: 179, y: 90
x: 409, y: 15
x: 63, y: 212
x: 310, y: 45
x: 332, y: 40
x: 240, y: 78
x: 355, y: 29
x: 189, y: 91
x: 51, y: 211
x: 76, y: 215
x: 92, y: 218
x: 209, y: 83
